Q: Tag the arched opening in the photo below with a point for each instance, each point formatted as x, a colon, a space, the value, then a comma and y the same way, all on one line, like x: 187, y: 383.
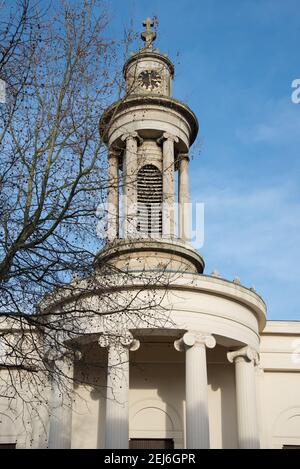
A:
x: 149, y: 198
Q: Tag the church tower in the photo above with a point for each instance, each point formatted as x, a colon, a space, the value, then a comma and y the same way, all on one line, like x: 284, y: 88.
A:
x: 148, y: 134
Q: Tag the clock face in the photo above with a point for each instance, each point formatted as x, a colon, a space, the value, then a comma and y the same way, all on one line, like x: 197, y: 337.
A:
x: 149, y: 79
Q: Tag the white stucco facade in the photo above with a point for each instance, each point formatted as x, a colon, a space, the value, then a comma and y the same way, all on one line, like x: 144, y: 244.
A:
x: 190, y: 360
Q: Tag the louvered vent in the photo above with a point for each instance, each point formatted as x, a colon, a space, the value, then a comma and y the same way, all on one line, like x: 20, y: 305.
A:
x: 149, y: 198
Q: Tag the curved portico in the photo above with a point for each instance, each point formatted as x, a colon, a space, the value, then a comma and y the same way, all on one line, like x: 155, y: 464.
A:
x: 199, y: 312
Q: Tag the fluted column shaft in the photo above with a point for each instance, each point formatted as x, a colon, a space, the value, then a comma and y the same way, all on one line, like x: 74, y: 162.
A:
x: 113, y: 195
x: 184, y: 198
x: 196, y: 394
x: 117, y: 417
x: 197, y: 424
x: 116, y: 433
x: 60, y: 425
x: 168, y: 218
x: 130, y: 165
x: 245, y: 360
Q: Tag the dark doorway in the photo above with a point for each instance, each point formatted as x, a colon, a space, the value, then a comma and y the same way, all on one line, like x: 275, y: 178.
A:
x: 7, y: 445
x: 151, y: 443
x: 291, y: 447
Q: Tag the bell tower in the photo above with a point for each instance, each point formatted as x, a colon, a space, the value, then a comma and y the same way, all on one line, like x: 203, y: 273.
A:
x: 148, y: 134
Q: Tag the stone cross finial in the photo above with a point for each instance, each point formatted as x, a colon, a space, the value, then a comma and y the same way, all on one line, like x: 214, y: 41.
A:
x: 148, y: 35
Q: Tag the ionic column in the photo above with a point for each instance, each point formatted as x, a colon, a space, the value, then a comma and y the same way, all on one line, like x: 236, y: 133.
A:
x: 130, y: 165
x: 196, y: 394
x: 60, y: 421
x: 113, y: 195
x: 117, y: 416
x: 184, y: 197
x: 168, y: 221
x: 245, y: 360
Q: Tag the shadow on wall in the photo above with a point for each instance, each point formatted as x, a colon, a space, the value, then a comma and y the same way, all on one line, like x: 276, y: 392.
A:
x: 88, y: 422
x: 157, y: 396
x: 221, y: 378
x: 157, y: 382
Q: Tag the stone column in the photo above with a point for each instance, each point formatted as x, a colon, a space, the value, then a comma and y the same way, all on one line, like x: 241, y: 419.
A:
x: 196, y: 394
x: 117, y: 417
x: 113, y: 195
x: 245, y: 360
x: 130, y: 169
x: 184, y: 198
x: 60, y: 421
x: 168, y: 221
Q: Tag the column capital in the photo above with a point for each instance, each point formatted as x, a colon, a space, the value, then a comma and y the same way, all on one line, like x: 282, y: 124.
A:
x: 126, y: 341
x: 245, y: 353
x: 132, y: 136
x: 183, y: 156
x: 194, y: 338
x: 167, y: 136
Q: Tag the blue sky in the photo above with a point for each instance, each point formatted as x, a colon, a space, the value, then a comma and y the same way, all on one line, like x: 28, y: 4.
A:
x: 235, y: 62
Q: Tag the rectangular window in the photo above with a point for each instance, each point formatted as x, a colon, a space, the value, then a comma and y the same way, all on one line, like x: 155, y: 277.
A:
x: 151, y: 443
x: 7, y: 445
